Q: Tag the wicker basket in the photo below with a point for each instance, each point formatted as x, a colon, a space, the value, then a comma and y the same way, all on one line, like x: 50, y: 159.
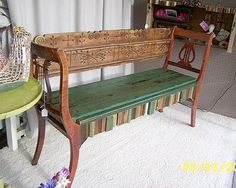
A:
x: 16, y: 67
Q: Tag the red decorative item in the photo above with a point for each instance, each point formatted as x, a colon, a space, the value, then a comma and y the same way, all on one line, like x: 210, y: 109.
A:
x: 183, y: 16
x: 161, y: 13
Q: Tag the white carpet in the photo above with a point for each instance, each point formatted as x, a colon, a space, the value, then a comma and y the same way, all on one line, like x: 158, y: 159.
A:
x: 146, y: 153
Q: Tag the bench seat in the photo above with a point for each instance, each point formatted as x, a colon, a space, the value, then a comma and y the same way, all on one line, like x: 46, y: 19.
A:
x: 93, y: 101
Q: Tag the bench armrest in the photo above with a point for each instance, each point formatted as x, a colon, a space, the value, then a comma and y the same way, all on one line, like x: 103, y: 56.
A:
x: 42, y: 58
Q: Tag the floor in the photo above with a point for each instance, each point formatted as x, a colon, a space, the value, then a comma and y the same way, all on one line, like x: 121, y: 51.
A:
x: 148, y: 152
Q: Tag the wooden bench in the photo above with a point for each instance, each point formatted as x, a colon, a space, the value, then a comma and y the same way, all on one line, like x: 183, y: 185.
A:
x: 85, y: 110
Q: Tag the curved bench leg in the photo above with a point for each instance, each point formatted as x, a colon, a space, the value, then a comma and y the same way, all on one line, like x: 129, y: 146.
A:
x: 41, y: 136
x: 75, y: 142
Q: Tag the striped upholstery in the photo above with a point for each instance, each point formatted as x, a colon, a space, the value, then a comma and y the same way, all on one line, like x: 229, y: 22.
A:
x: 106, y: 124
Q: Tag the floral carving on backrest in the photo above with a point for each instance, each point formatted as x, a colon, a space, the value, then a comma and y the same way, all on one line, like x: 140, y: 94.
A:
x: 124, y: 35
x: 115, y: 54
x: 141, y: 50
x: 162, y: 49
x: 40, y: 39
x: 130, y: 51
x: 94, y: 36
x: 91, y: 56
x: 80, y: 39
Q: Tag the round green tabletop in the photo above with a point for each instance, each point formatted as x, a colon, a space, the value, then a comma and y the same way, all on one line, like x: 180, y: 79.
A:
x: 20, y: 99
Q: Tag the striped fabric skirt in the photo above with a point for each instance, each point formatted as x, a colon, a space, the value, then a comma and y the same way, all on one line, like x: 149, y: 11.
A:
x: 107, y: 123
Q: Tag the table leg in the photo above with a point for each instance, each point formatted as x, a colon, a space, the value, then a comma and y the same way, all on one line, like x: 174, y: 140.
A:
x: 11, y: 128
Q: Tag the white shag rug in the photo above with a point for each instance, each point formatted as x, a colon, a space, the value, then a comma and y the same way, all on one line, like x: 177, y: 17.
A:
x: 147, y: 153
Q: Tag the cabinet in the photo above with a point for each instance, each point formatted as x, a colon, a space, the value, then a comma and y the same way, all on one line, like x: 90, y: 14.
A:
x: 170, y: 13
x: 166, y: 16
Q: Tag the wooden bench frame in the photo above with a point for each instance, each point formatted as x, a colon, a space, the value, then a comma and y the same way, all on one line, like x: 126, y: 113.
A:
x: 85, y: 51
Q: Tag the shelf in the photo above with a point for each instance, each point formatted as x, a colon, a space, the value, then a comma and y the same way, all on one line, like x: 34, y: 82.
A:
x: 167, y: 22
x: 168, y: 15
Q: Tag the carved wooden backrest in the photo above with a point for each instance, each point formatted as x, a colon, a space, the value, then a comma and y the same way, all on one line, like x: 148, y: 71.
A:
x: 91, y: 50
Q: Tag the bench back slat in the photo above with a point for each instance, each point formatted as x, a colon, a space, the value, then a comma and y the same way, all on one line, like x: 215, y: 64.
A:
x: 99, y: 38
x: 92, y: 50
x: 191, y: 34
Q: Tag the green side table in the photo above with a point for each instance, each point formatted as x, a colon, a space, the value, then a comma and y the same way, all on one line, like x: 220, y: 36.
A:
x: 16, y: 101
x: 3, y: 185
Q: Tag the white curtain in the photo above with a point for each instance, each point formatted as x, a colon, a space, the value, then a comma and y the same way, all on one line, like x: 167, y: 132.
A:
x: 4, y: 27
x: 53, y: 16
x: 117, y: 15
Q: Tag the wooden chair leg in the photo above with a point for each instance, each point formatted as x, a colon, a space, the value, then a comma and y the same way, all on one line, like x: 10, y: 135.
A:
x: 193, y: 114
x: 194, y: 107
x: 75, y: 143
x: 41, y: 136
x: 160, y: 110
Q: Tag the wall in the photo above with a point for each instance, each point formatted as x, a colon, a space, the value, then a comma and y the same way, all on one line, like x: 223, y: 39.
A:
x: 139, y: 15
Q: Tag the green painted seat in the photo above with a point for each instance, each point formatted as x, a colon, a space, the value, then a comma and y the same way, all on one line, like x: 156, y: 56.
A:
x: 100, y: 99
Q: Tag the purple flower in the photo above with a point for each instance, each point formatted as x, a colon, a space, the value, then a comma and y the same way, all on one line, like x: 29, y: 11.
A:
x: 61, y: 175
x: 56, y: 178
x: 48, y: 184
x: 64, y: 172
